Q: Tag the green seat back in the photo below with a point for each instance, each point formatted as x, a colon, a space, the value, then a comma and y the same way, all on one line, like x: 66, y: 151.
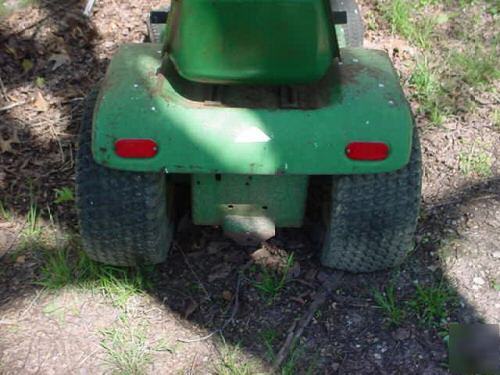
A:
x: 251, y: 41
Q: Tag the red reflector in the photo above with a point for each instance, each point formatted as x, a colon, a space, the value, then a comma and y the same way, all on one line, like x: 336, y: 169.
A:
x: 367, y: 151
x: 136, y: 148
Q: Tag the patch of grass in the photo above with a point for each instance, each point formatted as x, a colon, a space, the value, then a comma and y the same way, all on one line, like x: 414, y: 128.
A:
x: 39, y: 82
x: 32, y: 235
x: 56, y: 272
x: 126, y: 347
x: 60, y: 270
x: 370, y: 19
x: 272, y: 282
x: 493, y: 8
x: 3, y: 8
x: 475, y: 162
x: 427, y: 91
x: 430, y: 305
x: 388, y: 302
x: 5, y: 214
x: 433, y: 304
x: 269, y: 338
x: 477, y: 67
x: 231, y: 363
x: 119, y: 284
x: 32, y: 230
x: 64, y: 195
x: 437, y: 78
x: 289, y: 367
x: 424, y: 3
x: 423, y: 31
x: 162, y: 346
x: 6, y: 10
x: 398, y: 13
x: 496, y: 286
x: 462, y: 3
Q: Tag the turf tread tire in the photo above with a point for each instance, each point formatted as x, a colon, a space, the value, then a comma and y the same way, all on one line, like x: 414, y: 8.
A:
x: 373, y: 218
x: 354, y: 28
x: 123, y: 216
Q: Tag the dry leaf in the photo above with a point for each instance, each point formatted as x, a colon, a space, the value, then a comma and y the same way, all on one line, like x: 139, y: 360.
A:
x: 227, y: 295
x: 260, y: 254
x: 55, y: 43
x: 59, y: 59
x: 40, y: 103
x: 21, y: 259
x: 6, y: 144
x: 12, y: 51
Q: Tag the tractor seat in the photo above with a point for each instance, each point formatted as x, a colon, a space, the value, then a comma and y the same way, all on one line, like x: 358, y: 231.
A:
x: 251, y: 41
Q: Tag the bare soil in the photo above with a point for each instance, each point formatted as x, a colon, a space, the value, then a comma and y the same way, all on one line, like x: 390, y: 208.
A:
x: 50, y: 59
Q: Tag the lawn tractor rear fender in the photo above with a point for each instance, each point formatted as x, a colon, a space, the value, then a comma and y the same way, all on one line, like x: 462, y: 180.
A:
x: 366, y: 105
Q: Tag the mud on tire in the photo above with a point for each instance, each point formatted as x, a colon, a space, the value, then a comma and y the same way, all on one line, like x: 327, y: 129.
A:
x: 123, y: 216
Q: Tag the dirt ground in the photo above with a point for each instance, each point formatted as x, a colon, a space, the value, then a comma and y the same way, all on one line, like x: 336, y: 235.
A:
x: 50, y: 58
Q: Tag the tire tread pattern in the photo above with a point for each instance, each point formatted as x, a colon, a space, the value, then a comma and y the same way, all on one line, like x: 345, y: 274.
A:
x: 354, y: 29
x: 123, y: 215
x: 373, y: 217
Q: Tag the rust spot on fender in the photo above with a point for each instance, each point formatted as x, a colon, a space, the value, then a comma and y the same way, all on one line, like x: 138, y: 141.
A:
x: 350, y: 74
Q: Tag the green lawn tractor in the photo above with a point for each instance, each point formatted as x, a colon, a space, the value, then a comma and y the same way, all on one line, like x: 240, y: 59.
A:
x: 272, y: 113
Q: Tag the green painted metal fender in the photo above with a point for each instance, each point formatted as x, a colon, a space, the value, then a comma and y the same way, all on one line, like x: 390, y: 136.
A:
x: 364, y: 102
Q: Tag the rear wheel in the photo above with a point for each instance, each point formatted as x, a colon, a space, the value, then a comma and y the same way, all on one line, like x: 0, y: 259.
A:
x: 372, y: 218
x: 156, y: 24
x: 124, y: 217
x: 351, y: 33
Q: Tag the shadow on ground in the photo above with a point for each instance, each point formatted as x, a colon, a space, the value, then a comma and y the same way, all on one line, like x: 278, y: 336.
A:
x: 350, y: 333
x: 52, y: 55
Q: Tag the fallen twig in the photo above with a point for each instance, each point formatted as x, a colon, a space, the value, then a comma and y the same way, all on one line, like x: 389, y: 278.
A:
x: 88, y: 8
x: 234, y: 310
x: 8, y: 322
x: 177, y: 247
x: 13, y: 105
x: 30, y: 306
x: 86, y: 358
x: 4, y: 91
x: 297, y: 328
x: 195, y: 359
x: 72, y: 100
x: 198, y: 339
